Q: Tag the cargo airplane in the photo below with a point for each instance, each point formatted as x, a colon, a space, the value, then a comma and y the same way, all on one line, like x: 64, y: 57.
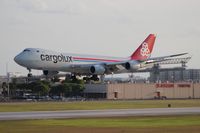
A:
x: 51, y: 62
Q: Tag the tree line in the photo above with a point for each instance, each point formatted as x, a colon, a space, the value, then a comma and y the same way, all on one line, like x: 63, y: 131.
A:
x: 67, y: 88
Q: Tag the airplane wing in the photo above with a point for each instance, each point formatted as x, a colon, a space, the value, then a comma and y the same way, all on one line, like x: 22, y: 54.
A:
x: 169, y: 56
x: 169, y: 59
x: 147, y: 66
x: 154, y: 69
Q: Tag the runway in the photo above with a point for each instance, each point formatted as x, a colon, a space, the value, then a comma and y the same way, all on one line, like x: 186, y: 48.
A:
x: 97, y: 113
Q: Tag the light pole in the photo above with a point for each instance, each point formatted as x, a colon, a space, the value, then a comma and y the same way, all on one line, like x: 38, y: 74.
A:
x: 8, y: 79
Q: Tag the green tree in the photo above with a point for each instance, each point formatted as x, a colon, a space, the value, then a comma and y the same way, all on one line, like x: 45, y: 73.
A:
x: 39, y: 88
x: 67, y: 89
x: 73, y: 87
x: 4, y: 87
x: 77, y: 89
x: 58, y: 90
x: 22, y: 86
x: 13, y: 87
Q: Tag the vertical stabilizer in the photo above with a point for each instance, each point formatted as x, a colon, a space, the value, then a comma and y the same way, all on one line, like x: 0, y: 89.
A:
x: 143, y: 52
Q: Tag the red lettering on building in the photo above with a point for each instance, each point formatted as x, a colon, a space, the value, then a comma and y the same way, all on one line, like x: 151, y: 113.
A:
x: 164, y: 85
x: 184, y: 85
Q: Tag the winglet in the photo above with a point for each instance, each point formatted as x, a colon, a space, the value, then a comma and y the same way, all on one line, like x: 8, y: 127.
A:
x: 143, y: 52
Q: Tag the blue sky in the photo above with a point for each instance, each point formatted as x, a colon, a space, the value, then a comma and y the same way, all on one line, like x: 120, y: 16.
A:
x: 102, y: 27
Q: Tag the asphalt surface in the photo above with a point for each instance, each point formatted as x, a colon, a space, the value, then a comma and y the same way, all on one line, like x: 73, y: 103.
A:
x: 97, y: 113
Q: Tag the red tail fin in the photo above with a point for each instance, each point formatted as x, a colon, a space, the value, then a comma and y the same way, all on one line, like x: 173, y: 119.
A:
x: 143, y: 52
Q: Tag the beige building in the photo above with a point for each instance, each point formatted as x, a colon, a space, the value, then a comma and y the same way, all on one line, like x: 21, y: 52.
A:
x: 143, y: 91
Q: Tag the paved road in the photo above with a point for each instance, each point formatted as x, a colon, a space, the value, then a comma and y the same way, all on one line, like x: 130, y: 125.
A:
x: 97, y: 113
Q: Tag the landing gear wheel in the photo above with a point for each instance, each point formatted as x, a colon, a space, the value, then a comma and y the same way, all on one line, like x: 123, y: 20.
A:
x: 95, y: 78
x: 85, y: 78
x: 29, y: 75
x: 73, y: 77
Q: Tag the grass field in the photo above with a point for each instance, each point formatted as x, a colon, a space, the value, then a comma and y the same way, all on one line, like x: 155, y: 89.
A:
x: 157, y: 124
x: 93, y: 105
x: 164, y: 124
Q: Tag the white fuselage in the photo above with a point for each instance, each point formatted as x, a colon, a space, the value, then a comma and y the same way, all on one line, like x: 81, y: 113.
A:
x: 40, y: 59
x: 139, y: 61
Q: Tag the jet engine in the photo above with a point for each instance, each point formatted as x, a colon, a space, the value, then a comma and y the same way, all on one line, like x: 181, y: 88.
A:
x: 97, y: 69
x: 132, y: 65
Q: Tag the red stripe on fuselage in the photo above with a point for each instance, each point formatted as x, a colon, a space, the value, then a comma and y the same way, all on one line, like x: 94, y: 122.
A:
x: 106, y: 60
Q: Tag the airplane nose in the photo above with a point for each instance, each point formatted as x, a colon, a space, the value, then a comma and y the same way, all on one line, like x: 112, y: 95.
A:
x: 16, y: 59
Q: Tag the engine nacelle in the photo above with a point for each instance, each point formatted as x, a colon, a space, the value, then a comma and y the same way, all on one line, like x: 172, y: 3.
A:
x: 97, y: 69
x: 49, y: 73
x: 132, y: 65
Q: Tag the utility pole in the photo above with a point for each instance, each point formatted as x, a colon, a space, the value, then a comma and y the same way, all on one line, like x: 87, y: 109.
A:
x: 8, y: 79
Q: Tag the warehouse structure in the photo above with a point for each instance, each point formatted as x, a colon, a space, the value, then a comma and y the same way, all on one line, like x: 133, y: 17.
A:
x: 143, y: 91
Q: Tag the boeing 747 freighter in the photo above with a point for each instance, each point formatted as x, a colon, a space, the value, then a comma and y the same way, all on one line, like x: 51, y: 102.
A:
x: 51, y: 62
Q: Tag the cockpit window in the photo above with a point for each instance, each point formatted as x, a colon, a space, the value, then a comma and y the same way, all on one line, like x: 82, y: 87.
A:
x: 38, y: 51
x: 26, y: 50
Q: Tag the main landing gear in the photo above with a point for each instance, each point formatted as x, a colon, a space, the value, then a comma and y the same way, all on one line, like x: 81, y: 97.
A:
x: 73, y: 77
x: 87, y: 79
x: 29, y: 74
x: 93, y: 77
